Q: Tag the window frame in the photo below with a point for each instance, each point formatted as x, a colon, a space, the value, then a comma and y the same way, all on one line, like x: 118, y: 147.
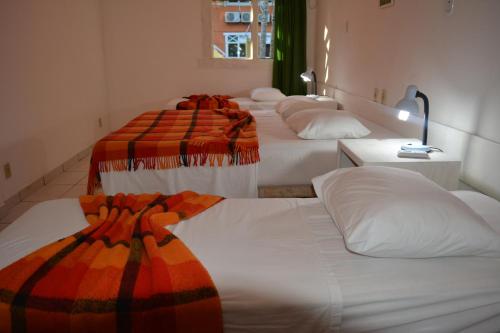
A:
x: 252, y: 52
x: 239, y: 35
x: 241, y: 3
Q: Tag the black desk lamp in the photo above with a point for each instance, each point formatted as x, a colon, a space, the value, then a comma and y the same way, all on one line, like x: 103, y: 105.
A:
x: 408, y: 105
x: 310, y: 76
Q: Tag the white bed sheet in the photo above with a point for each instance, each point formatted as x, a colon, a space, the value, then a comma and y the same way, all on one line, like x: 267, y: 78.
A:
x: 286, y: 159
x: 281, y: 265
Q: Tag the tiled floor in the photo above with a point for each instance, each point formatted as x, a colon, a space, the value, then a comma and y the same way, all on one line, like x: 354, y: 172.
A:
x: 70, y: 184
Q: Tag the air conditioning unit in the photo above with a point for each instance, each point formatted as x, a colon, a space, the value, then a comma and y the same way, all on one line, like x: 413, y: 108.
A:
x: 246, y: 17
x: 232, y: 17
x: 264, y: 18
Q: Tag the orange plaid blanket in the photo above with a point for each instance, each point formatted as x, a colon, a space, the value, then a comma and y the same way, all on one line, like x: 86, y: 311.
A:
x: 206, y: 102
x: 123, y: 273
x: 175, y: 138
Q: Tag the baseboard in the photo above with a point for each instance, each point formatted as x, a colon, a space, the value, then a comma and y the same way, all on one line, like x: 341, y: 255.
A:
x: 42, y: 181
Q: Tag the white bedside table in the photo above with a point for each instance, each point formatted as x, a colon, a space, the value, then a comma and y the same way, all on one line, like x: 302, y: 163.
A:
x: 440, y: 168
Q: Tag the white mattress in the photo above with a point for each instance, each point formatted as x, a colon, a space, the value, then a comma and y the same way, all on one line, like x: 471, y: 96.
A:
x: 286, y: 159
x: 281, y: 265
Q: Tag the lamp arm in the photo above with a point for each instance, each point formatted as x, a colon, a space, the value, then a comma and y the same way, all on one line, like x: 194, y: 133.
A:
x: 426, y: 115
x: 315, y: 84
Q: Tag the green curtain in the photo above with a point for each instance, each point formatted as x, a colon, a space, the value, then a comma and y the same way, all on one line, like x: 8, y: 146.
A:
x: 290, y: 24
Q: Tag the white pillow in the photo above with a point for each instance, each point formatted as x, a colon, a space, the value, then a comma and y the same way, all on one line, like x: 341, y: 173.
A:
x: 289, y: 106
x: 285, y: 102
x: 245, y: 102
x: 266, y: 94
x: 390, y: 212
x: 326, y: 124
x: 293, y: 97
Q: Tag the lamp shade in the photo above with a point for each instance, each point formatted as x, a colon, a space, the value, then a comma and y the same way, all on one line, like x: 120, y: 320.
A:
x: 310, y: 76
x: 307, y: 76
x: 409, y: 103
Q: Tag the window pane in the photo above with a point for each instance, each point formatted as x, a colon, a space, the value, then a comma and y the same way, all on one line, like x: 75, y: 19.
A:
x: 233, y: 50
x: 238, y: 2
x: 231, y: 29
x: 266, y: 26
x: 243, y: 50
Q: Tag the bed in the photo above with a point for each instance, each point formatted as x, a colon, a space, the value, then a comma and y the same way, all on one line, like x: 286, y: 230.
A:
x: 245, y: 103
x: 285, y: 159
x: 288, y: 270
x: 202, y: 149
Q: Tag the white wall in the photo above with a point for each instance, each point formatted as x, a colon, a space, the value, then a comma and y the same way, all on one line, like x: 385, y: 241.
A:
x: 155, y: 51
x: 454, y: 59
x: 52, y: 85
x: 65, y: 63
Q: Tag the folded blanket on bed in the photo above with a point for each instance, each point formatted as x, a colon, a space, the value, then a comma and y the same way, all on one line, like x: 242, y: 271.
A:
x: 205, y: 102
x: 123, y: 273
x: 175, y: 138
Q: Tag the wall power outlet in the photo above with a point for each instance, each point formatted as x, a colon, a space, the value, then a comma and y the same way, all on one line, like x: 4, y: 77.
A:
x: 7, y: 171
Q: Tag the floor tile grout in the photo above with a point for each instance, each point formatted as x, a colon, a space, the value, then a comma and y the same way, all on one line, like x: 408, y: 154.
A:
x: 63, y: 195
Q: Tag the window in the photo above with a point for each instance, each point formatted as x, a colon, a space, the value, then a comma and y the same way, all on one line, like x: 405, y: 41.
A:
x: 237, y: 44
x: 237, y: 27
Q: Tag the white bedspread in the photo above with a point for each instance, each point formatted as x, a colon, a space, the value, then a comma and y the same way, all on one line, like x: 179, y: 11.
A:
x: 281, y: 265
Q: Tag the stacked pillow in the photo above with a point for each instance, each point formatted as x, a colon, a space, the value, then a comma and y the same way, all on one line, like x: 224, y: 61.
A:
x: 390, y: 212
x: 293, y: 104
x: 266, y: 94
x: 326, y: 124
x: 319, y: 119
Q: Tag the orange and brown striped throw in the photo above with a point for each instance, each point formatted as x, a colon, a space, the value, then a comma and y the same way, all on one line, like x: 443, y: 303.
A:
x: 177, y: 138
x: 206, y: 102
x: 123, y: 273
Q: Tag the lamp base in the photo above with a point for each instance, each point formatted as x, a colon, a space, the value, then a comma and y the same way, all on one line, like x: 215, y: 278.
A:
x: 416, y: 146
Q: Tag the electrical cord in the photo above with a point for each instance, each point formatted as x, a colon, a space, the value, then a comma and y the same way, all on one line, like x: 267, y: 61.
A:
x: 436, y: 149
